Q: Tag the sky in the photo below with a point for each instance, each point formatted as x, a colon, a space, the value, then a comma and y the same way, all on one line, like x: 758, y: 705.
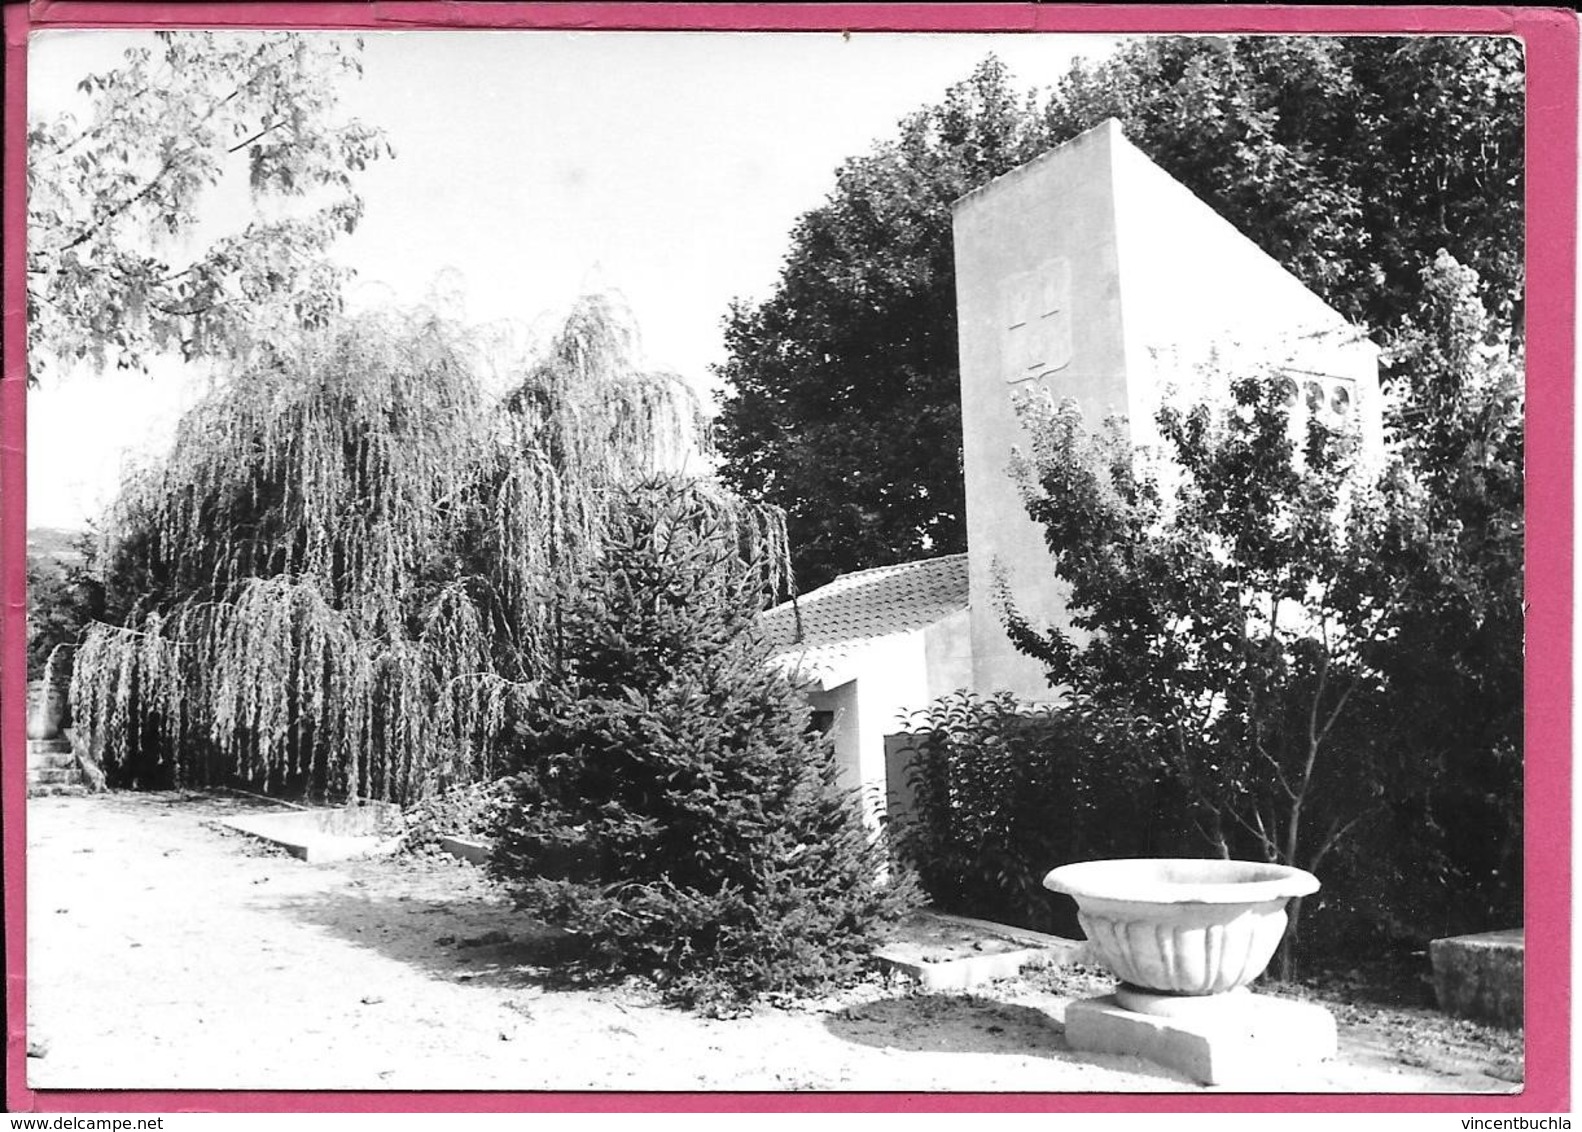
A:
x: 533, y: 167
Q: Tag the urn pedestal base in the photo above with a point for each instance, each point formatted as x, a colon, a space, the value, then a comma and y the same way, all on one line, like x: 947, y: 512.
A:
x: 1239, y: 1039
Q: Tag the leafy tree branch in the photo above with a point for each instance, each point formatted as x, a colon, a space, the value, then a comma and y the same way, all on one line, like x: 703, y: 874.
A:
x: 111, y: 201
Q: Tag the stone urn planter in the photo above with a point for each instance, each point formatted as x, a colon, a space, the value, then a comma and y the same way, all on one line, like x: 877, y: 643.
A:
x: 1186, y: 937
x: 46, y: 708
x: 1181, y: 926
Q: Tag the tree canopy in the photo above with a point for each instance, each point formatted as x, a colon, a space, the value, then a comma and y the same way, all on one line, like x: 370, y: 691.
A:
x: 120, y: 263
x: 1454, y: 552
x: 844, y: 401
x: 1351, y: 160
x: 1216, y: 633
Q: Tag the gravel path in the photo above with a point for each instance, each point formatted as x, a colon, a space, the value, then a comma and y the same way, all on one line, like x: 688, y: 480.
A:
x: 167, y: 953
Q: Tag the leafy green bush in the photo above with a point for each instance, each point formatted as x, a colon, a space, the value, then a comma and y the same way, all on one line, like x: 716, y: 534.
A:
x: 1004, y: 792
x: 672, y: 807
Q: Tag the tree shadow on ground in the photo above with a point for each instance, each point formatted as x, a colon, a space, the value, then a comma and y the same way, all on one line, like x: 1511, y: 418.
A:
x: 944, y: 1023
x: 462, y: 940
x: 950, y: 1024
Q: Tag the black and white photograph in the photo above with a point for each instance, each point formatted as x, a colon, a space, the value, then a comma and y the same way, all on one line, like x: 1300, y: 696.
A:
x: 720, y: 561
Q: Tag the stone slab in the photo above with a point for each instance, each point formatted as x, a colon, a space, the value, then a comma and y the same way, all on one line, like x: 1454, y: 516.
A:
x: 1037, y: 950
x: 473, y: 852
x: 959, y: 974
x: 319, y: 836
x: 1063, y: 949
x: 1481, y: 976
x: 1256, y: 1043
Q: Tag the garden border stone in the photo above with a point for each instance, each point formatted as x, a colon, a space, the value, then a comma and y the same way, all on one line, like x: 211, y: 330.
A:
x: 473, y: 852
x: 323, y: 835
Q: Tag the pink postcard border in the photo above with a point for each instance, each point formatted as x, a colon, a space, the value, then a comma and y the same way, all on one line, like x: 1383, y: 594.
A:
x: 1551, y: 40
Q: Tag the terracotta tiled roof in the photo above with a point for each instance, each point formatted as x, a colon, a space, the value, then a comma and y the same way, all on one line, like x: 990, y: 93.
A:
x: 839, y: 619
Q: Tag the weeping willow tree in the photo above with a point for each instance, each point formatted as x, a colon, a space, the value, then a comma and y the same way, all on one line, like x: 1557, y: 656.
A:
x: 349, y: 572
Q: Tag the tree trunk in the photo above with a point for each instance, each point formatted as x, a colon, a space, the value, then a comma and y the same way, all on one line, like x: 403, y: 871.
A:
x: 1285, y: 957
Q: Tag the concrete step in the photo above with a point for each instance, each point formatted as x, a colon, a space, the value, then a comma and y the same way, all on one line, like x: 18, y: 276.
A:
x: 52, y: 767
x: 70, y: 789
x: 51, y: 776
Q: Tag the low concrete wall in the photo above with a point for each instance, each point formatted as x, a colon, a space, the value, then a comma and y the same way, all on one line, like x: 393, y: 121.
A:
x: 1481, y: 976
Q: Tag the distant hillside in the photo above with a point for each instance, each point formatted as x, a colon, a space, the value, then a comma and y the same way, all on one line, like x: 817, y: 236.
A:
x: 56, y: 544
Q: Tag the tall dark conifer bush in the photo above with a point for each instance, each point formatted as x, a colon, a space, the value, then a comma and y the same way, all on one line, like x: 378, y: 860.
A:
x: 672, y: 807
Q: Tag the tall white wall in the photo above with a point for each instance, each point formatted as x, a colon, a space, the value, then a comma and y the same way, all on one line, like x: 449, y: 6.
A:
x: 1203, y: 304
x: 891, y: 683
x: 1090, y: 274
x: 1038, y: 306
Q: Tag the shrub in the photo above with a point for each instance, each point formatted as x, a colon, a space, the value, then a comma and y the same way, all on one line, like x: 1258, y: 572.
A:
x: 466, y: 811
x: 672, y: 808
x: 1004, y: 792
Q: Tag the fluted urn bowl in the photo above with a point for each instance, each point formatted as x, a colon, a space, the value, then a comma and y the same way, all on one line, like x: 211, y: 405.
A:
x: 1182, y: 926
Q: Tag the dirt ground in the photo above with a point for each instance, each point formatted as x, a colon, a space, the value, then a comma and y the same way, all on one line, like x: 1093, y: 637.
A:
x: 167, y: 953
